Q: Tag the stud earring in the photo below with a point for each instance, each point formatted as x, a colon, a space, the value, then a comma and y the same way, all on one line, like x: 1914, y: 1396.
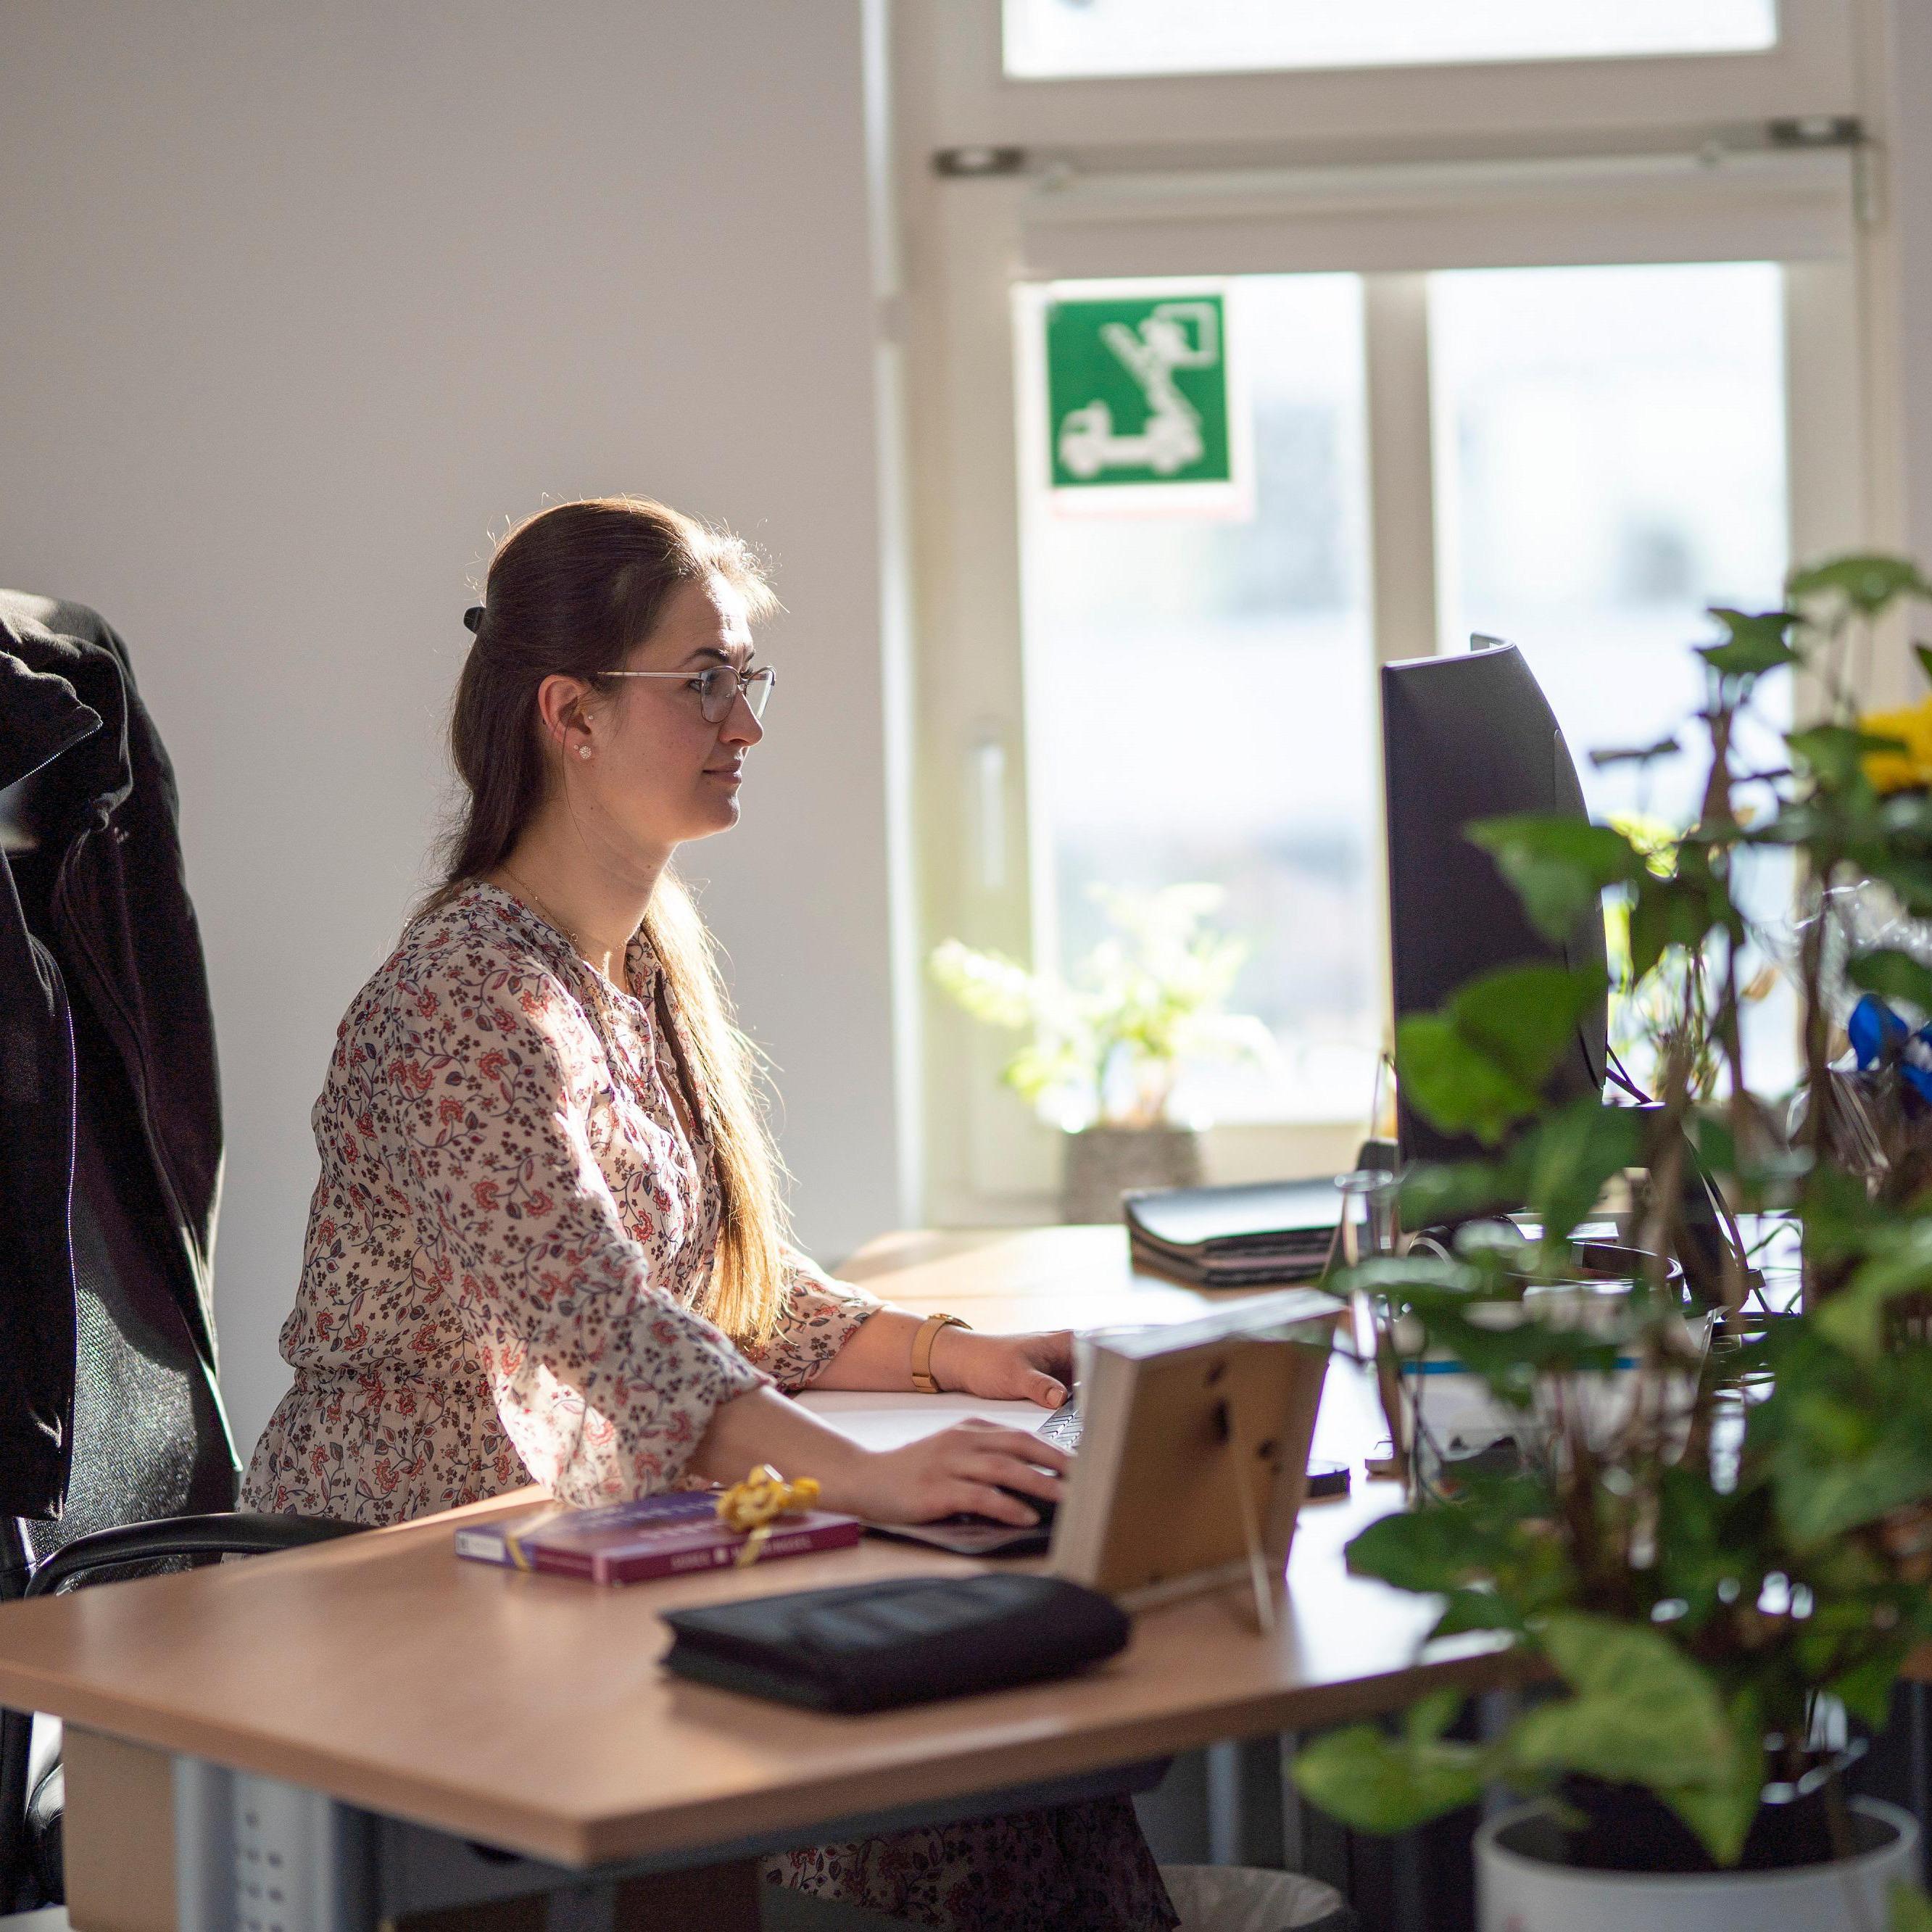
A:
x: 583, y: 751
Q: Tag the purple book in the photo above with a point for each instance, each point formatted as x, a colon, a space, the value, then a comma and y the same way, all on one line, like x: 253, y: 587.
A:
x: 654, y: 1536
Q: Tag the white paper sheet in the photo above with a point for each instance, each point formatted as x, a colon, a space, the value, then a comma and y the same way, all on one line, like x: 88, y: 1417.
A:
x: 889, y: 1419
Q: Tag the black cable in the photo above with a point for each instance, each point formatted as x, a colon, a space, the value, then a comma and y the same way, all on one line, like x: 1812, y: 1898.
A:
x: 1620, y: 1075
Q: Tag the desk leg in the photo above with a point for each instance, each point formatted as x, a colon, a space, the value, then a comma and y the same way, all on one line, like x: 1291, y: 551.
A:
x: 118, y: 1833
x: 161, y: 1844
x: 251, y: 1851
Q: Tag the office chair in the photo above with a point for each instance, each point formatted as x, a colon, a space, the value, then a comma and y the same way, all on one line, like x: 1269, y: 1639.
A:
x: 153, y: 1480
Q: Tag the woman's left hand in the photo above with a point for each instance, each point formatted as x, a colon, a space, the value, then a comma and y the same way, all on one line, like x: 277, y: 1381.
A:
x: 1005, y: 1368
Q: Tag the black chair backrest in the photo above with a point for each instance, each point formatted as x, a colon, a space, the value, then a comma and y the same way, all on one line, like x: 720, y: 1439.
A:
x: 150, y: 1437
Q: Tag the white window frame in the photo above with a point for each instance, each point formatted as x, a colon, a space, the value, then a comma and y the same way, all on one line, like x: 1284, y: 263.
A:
x: 1811, y: 70
x: 1390, y: 215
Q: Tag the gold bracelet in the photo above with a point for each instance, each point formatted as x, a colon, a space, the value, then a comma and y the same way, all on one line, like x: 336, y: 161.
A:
x: 922, y: 1350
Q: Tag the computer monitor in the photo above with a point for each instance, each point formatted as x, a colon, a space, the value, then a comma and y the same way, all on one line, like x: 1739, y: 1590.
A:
x: 1468, y: 736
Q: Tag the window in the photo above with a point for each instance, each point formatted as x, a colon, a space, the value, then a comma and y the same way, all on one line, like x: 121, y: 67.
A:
x: 1200, y: 703
x: 1565, y: 394
x: 1609, y: 459
x: 1060, y: 39
x: 1170, y: 78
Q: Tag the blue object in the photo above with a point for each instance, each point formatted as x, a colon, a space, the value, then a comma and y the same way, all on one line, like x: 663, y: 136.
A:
x: 1878, y: 1035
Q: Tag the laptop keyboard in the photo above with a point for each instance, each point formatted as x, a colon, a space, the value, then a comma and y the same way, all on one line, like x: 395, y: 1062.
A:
x: 1062, y: 1428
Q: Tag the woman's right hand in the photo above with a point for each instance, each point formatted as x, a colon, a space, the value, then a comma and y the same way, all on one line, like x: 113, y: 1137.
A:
x: 965, y: 1469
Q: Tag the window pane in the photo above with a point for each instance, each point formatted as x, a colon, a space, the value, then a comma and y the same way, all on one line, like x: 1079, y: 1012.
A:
x: 1201, y: 707
x: 1060, y: 39
x: 1609, y: 458
x: 1610, y: 461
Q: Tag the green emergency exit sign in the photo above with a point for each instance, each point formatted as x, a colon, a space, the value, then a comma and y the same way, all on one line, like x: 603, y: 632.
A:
x: 1138, y: 393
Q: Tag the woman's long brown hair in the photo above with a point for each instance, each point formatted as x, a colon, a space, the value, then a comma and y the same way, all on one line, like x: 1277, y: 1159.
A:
x: 571, y: 592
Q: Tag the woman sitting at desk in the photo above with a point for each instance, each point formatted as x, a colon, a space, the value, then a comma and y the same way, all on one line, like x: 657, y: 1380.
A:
x: 547, y: 1243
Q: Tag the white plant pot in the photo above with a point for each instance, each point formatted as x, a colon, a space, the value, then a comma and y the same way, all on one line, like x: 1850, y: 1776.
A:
x: 1515, y: 1892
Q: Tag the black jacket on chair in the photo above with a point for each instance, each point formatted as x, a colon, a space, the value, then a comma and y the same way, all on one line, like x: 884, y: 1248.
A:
x: 95, y: 923
x: 115, y: 1452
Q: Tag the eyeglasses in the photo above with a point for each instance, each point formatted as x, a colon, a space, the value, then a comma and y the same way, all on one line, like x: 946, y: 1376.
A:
x: 718, y: 689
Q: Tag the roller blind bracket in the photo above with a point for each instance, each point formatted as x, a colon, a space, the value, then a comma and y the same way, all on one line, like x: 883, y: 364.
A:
x: 1817, y: 130
x: 967, y: 163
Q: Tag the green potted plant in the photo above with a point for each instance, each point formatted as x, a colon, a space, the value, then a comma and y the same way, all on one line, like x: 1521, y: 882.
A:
x: 1708, y: 1555
x: 1104, y: 1047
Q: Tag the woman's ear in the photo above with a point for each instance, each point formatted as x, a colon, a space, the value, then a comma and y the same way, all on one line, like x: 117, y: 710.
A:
x: 563, y: 707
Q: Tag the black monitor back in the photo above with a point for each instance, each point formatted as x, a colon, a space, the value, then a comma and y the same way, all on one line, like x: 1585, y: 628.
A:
x: 1465, y: 737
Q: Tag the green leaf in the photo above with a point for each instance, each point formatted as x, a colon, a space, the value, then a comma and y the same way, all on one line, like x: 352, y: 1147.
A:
x: 1440, y: 1549
x: 1835, y: 754
x: 1754, y: 644
x: 1378, y: 1783
x: 1608, y: 1657
x: 1428, y: 1717
x: 1846, y: 1440
x: 1865, y: 1690
x: 1923, y: 653
x: 1854, y: 1318
x: 993, y: 989
x: 1457, y: 1087
x: 1704, y: 1539
x: 1894, y: 976
x: 1477, y: 1067
x: 1468, y: 1610
x: 1526, y: 1017
x: 1559, y: 867
x: 1839, y: 1220
x: 1721, y: 1812
x: 1433, y: 1192
x: 1570, y: 1156
x: 1868, y: 582
x: 1908, y: 1909
x: 1819, y: 1503
x: 1667, y: 912
x: 1643, y: 1712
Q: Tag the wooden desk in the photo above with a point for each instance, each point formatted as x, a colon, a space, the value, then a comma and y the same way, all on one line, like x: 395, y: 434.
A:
x: 530, y: 1712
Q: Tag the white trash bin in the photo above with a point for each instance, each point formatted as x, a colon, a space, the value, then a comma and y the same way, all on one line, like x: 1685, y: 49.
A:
x: 1242, y: 1898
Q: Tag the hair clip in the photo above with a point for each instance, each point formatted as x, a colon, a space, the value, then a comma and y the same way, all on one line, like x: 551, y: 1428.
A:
x: 473, y: 617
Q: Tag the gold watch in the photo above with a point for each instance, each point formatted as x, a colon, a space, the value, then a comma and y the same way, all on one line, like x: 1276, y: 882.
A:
x: 922, y: 1350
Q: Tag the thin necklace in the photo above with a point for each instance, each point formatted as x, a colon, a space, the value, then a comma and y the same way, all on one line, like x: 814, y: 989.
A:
x: 570, y: 932
x: 543, y: 907
x: 600, y: 984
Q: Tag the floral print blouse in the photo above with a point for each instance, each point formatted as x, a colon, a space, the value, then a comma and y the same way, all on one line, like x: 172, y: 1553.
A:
x: 511, y: 1239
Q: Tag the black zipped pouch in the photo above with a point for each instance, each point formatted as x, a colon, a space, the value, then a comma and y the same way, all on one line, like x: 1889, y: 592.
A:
x: 873, y: 1646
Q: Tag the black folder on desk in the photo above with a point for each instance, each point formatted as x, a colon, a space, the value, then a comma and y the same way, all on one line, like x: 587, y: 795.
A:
x: 1242, y: 1237
x: 902, y: 1640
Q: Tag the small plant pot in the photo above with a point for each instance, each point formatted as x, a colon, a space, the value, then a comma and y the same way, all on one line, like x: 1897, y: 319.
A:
x: 1522, y: 1885
x: 1103, y: 1163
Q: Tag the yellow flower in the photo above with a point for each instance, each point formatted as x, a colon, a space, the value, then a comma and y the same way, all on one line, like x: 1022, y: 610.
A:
x: 1906, y: 770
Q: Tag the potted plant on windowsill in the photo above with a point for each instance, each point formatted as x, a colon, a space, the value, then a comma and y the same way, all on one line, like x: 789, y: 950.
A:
x: 1104, y: 1047
x: 1708, y: 1559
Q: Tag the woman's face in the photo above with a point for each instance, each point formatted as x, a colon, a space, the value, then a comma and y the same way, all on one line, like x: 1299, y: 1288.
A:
x: 659, y: 771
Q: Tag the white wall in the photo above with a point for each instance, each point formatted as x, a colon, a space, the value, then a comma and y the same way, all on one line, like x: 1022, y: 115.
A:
x: 1907, y: 133
x: 298, y: 307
